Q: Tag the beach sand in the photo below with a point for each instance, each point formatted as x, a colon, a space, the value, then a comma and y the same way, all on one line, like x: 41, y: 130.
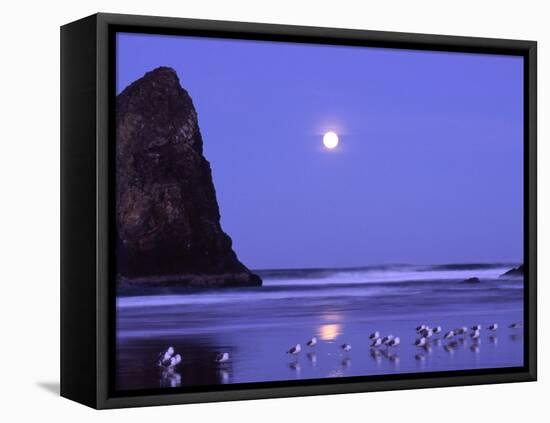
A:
x: 257, y: 327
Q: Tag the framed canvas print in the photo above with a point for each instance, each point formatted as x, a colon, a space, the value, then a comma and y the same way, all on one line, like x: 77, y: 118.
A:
x: 256, y: 211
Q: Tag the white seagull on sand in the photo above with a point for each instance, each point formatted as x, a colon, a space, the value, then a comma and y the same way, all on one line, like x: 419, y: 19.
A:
x: 312, y: 342
x: 394, y: 342
x: 493, y: 327
x: 426, y: 333
x: 295, y: 349
x: 387, y: 339
x: 174, y: 361
x: 515, y: 326
x: 376, y: 343
x: 461, y: 331
x: 436, y: 330
x: 475, y: 334
x: 346, y: 347
x: 421, y: 327
x: 165, y: 356
x: 222, y: 357
x: 449, y: 334
x: 476, y: 327
x: 374, y: 335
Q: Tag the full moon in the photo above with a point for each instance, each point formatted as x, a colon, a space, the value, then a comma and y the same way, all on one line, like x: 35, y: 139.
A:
x: 330, y: 140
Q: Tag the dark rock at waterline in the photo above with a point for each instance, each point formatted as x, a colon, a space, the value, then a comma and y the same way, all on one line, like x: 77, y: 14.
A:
x: 515, y: 272
x: 471, y: 280
x: 167, y: 215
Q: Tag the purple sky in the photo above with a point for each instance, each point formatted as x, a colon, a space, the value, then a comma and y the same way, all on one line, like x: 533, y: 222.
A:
x: 430, y: 163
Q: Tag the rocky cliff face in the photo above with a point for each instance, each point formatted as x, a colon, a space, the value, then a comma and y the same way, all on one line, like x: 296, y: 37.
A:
x: 167, y: 215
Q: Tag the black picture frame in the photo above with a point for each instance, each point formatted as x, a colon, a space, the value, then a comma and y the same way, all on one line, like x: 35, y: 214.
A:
x: 87, y: 297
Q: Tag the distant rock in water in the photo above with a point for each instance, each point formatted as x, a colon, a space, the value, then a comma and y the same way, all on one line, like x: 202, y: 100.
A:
x: 516, y: 272
x: 471, y: 280
x: 167, y: 215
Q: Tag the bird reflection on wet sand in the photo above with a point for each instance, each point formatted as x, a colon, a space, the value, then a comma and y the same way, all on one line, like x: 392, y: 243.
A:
x: 170, y: 379
x: 376, y: 355
x: 346, y: 362
x: 516, y: 337
x: 295, y: 366
x: 420, y: 357
x: 312, y: 357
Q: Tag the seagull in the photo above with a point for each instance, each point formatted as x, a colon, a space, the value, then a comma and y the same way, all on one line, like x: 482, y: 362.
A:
x: 174, y: 361
x: 394, y: 342
x: 295, y: 349
x: 436, y: 330
x: 426, y: 333
x: 476, y: 327
x: 449, y: 334
x: 421, y: 327
x: 312, y: 342
x: 374, y: 335
x: 376, y: 343
x: 515, y: 326
x: 165, y: 356
x: 222, y: 357
x: 461, y: 331
x: 420, y: 342
x: 346, y: 347
x: 387, y: 339
x: 493, y: 327
x: 475, y: 334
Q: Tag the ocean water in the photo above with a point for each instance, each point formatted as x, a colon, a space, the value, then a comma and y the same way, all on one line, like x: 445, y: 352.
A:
x: 256, y: 326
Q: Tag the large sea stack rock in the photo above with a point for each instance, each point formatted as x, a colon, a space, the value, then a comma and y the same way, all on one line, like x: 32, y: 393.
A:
x: 167, y: 215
